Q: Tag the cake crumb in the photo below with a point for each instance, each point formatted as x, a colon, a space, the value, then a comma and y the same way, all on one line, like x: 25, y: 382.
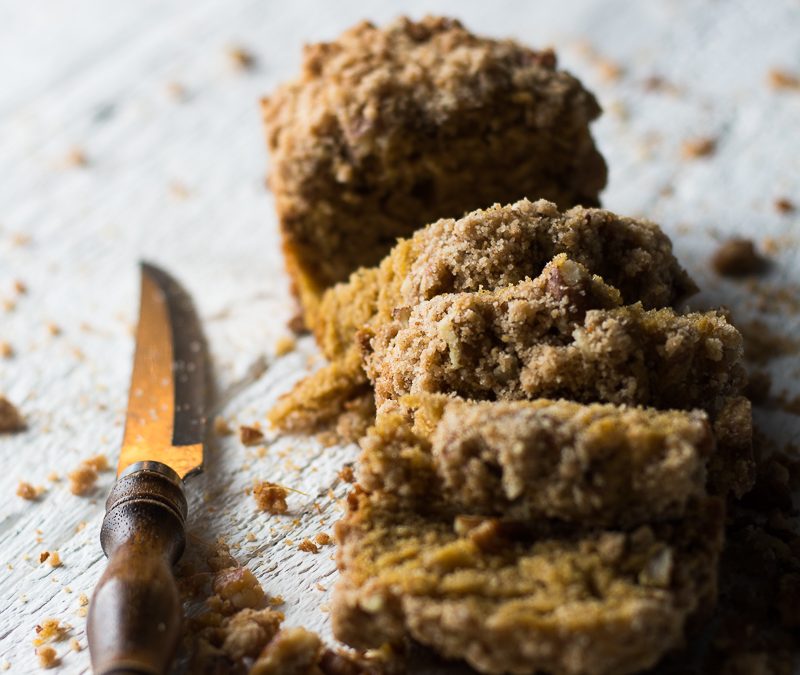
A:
x: 323, y: 538
x: 6, y: 350
x: 276, y: 601
x: 241, y: 58
x: 284, y: 345
x: 782, y: 79
x: 270, y: 497
x: 74, y: 645
x: 83, y: 600
x: 53, y: 477
x: 250, y: 435
x: 50, y: 630
x: 44, y: 555
x: 10, y: 417
x: 28, y: 491
x: 48, y: 658
x: 98, y: 462
x: 54, y: 329
x: 785, y: 205
x: 82, y: 479
x: 20, y: 287
x: 221, y: 426
x: 695, y: 148
x: 239, y: 586
x: 55, y: 559
x: 308, y: 546
x: 346, y: 474
x: 738, y: 258
x: 77, y: 158
x: 176, y: 91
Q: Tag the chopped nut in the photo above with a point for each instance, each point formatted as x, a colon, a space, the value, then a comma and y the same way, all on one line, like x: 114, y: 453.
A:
x: 308, y: 546
x: 44, y: 555
x: 270, y: 497
x: 250, y: 435
x: 698, y: 147
x: 10, y: 418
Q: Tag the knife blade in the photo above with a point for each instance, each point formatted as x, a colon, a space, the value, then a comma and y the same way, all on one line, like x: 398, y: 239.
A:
x: 135, y: 613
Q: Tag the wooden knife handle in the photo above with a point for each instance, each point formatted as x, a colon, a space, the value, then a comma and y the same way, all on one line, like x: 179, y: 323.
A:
x: 135, y: 615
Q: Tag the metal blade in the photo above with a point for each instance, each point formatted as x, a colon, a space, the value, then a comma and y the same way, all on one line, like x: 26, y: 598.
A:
x: 166, y: 404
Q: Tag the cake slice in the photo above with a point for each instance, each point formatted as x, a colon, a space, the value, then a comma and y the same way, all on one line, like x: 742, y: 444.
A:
x: 592, y: 465
x: 484, y: 250
x: 514, y: 598
x: 387, y: 129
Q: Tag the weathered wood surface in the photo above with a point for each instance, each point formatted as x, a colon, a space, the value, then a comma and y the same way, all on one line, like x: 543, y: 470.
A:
x: 180, y: 181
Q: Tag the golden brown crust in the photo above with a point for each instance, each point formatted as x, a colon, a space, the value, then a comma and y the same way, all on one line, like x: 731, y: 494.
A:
x: 387, y: 129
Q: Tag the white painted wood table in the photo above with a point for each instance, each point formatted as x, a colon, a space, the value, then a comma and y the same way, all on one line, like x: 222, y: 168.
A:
x: 179, y: 179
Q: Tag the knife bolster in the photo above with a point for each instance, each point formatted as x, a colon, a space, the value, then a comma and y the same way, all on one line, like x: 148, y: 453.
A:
x: 147, y: 502
x: 135, y: 613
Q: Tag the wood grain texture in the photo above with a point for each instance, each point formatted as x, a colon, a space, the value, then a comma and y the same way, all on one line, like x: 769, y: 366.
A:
x: 180, y: 180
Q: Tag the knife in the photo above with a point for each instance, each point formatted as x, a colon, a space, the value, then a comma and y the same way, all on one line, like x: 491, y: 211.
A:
x: 135, y: 614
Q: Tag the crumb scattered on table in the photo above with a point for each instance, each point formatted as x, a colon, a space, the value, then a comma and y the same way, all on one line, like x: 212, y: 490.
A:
x: 346, y: 474
x: 50, y: 630
x: 6, y: 350
x: 82, y: 479
x: 28, y: 491
x: 785, y: 205
x: 695, y: 148
x: 76, y: 157
x: 48, y: 658
x: 221, y: 426
x: 323, y: 538
x: 270, y: 497
x: 284, y: 345
x: 10, y: 417
x: 783, y: 79
x: 241, y: 58
x: 738, y: 258
x: 308, y: 546
x: 250, y: 435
